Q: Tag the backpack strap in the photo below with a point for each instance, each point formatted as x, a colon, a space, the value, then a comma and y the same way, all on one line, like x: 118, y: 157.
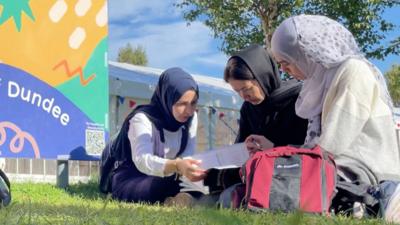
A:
x: 184, y: 139
x: 162, y: 137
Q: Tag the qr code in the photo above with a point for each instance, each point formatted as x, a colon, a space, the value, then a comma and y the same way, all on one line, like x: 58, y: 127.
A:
x: 95, y: 141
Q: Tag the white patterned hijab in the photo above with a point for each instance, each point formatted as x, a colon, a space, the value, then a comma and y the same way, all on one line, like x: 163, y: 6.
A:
x: 317, y: 45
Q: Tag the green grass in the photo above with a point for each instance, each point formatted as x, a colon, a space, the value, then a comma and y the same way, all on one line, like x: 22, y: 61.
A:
x: 83, y: 204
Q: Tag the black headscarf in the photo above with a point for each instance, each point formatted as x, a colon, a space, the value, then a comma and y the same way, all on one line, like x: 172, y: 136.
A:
x: 271, y: 118
x: 172, y: 84
x: 262, y: 66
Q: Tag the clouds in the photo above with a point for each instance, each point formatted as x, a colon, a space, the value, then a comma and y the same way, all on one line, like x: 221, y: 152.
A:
x: 158, y: 26
x: 217, y: 59
x: 136, y: 11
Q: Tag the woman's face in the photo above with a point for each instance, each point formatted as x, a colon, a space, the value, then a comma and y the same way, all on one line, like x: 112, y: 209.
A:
x: 184, y: 108
x: 249, y: 90
x: 290, y: 68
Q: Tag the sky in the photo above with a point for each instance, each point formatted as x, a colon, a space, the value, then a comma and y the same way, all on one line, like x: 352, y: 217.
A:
x: 159, y: 27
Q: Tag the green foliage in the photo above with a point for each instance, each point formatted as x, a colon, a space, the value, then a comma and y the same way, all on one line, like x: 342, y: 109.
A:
x: 136, y: 56
x: 241, y: 22
x: 393, y: 78
x: 81, y: 204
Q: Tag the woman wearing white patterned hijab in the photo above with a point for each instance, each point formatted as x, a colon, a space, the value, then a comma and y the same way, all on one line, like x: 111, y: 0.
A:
x: 344, y: 97
x: 317, y: 46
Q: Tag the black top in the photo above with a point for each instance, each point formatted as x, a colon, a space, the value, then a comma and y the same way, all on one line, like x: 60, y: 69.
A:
x: 274, y: 118
x: 276, y: 121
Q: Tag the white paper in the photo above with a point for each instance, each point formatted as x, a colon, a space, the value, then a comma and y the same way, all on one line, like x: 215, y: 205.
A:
x: 226, y: 157
x: 187, y: 185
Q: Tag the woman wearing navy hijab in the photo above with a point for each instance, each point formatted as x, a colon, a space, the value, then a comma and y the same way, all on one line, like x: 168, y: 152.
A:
x: 157, y: 136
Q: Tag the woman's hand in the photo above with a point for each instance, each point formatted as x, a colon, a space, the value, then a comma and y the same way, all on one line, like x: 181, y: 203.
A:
x: 190, y: 169
x: 256, y: 143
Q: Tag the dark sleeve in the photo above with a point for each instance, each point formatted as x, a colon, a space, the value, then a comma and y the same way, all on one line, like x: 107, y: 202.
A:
x: 295, y: 129
x: 244, y: 129
x: 299, y: 130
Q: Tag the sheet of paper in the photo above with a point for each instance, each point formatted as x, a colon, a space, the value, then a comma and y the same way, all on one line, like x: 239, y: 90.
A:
x: 187, y: 185
x: 228, y: 156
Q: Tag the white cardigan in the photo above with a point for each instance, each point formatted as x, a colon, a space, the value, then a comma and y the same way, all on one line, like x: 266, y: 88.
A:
x: 358, y: 127
x: 145, y: 142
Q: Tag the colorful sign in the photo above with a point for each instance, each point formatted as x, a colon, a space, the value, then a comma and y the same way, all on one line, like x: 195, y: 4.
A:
x: 53, y: 78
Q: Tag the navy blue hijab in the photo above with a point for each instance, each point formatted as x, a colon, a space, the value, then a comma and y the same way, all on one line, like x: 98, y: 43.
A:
x: 172, y: 84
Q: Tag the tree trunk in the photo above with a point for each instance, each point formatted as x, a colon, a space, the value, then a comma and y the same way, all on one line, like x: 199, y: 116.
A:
x: 268, y: 12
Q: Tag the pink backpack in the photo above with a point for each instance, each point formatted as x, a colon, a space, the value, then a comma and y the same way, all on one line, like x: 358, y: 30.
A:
x: 289, y: 178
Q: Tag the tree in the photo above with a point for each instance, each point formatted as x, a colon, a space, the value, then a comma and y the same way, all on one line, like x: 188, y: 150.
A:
x: 136, y: 56
x: 241, y: 22
x: 393, y: 78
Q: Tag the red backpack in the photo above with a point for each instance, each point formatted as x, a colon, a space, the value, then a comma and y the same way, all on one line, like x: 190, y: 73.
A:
x: 289, y: 178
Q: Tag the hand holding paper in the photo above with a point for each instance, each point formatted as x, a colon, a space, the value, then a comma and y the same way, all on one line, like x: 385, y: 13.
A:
x: 227, y: 157
x: 189, y: 168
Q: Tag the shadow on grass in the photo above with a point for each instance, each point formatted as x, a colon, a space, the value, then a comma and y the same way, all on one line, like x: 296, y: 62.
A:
x: 88, y: 190
x: 73, y: 213
x: 88, y: 213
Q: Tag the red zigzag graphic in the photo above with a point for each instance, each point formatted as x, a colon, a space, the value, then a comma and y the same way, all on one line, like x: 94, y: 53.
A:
x: 72, y: 73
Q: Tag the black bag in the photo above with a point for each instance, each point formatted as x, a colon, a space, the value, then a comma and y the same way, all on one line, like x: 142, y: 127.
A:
x: 114, y: 154
x: 218, y: 180
x: 350, y: 192
x: 5, y: 190
x: 107, y: 165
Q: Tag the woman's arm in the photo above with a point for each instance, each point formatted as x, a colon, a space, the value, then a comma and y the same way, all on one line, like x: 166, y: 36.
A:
x: 142, y: 144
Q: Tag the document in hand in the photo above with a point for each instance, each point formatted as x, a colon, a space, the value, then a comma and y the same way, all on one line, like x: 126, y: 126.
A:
x: 226, y: 157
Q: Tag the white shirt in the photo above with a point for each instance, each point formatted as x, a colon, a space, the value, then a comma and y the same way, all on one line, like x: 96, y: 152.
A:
x: 145, y: 142
x: 357, y: 125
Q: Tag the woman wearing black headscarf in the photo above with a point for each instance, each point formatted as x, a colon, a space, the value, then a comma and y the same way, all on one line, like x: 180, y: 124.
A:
x: 269, y: 107
x: 268, y: 110
x: 155, y: 137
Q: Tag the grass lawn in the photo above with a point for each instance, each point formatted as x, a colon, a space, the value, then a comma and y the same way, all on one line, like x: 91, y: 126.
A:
x: 83, y: 204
